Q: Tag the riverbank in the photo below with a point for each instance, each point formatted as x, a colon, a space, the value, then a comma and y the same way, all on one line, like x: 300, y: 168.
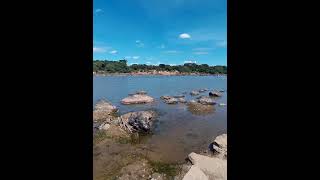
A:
x: 157, y: 73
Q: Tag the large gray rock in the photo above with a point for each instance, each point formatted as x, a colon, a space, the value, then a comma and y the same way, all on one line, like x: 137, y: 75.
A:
x: 214, y: 168
x: 171, y: 101
x: 219, y: 145
x: 137, y: 99
x: 200, y: 109
x: 140, y: 121
x: 165, y: 97
x: 182, y: 100
x: 215, y: 94
x: 206, y: 101
x: 103, y: 110
x: 195, y: 174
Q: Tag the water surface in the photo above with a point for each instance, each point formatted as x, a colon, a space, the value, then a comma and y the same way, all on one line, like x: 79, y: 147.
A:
x: 178, y: 132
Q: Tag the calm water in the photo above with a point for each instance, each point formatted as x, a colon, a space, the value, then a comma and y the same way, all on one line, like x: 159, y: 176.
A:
x: 178, y: 132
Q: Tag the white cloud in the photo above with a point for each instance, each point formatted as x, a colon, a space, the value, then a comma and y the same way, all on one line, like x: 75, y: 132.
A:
x: 199, y: 53
x: 99, y: 49
x: 171, y: 52
x: 184, y: 36
x: 127, y: 57
x: 172, y: 64
x: 135, y: 57
x: 139, y: 43
x: 98, y: 10
x: 190, y: 61
x: 148, y: 62
x: 162, y: 46
x: 113, y: 52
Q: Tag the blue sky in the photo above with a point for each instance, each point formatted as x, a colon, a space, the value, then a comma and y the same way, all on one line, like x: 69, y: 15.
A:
x: 160, y: 31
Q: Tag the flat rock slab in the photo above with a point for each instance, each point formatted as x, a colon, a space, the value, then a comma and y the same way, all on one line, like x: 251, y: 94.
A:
x: 137, y: 99
x: 195, y: 174
x: 214, y: 168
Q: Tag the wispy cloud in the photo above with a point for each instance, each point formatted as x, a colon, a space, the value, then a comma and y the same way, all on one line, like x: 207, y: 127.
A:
x: 202, y: 49
x: 171, y: 52
x: 100, y: 49
x: 139, y: 43
x: 113, y: 52
x: 98, y: 11
x: 148, y: 62
x: 190, y: 62
x: 127, y: 57
x: 184, y: 36
x: 200, y: 53
x: 135, y: 57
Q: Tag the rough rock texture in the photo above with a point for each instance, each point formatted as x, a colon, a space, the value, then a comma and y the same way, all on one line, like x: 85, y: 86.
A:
x: 195, y: 174
x: 194, y: 93
x: 171, y: 100
x: 103, y: 110
x: 182, y: 100
x: 165, y: 97
x: 219, y: 146
x: 140, y: 121
x: 137, y: 99
x: 215, y: 168
x: 104, y: 126
x: 215, y: 94
x: 206, y: 101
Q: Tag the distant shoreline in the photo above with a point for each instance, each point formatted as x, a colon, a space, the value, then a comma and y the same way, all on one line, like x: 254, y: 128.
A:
x: 156, y: 74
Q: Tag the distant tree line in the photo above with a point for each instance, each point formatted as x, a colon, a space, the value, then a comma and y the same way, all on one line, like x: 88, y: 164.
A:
x: 122, y: 67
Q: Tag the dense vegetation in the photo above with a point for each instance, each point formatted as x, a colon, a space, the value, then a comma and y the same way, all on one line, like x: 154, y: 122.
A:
x: 122, y: 67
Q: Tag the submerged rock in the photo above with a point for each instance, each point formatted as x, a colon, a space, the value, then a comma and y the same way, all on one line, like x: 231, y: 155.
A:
x: 137, y: 99
x: 140, y: 121
x: 200, y: 109
x: 206, y: 101
x: 194, y: 93
x: 103, y: 110
x: 215, y: 94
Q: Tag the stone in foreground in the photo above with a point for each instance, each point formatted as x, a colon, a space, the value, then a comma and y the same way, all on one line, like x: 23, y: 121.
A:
x: 219, y: 145
x: 103, y: 110
x: 214, y: 168
x: 195, y: 174
x: 137, y: 99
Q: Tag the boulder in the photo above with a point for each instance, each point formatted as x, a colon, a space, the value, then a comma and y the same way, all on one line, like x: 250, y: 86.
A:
x: 104, y: 126
x: 214, y: 168
x: 206, y: 101
x: 219, y: 146
x: 137, y: 99
x: 194, y: 93
x: 215, y: 94
x: 140, y: 121
x: 103, y: 110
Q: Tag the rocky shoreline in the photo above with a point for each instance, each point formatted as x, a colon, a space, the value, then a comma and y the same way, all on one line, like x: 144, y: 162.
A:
x: 159, y: 73
x: 115, y: 136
